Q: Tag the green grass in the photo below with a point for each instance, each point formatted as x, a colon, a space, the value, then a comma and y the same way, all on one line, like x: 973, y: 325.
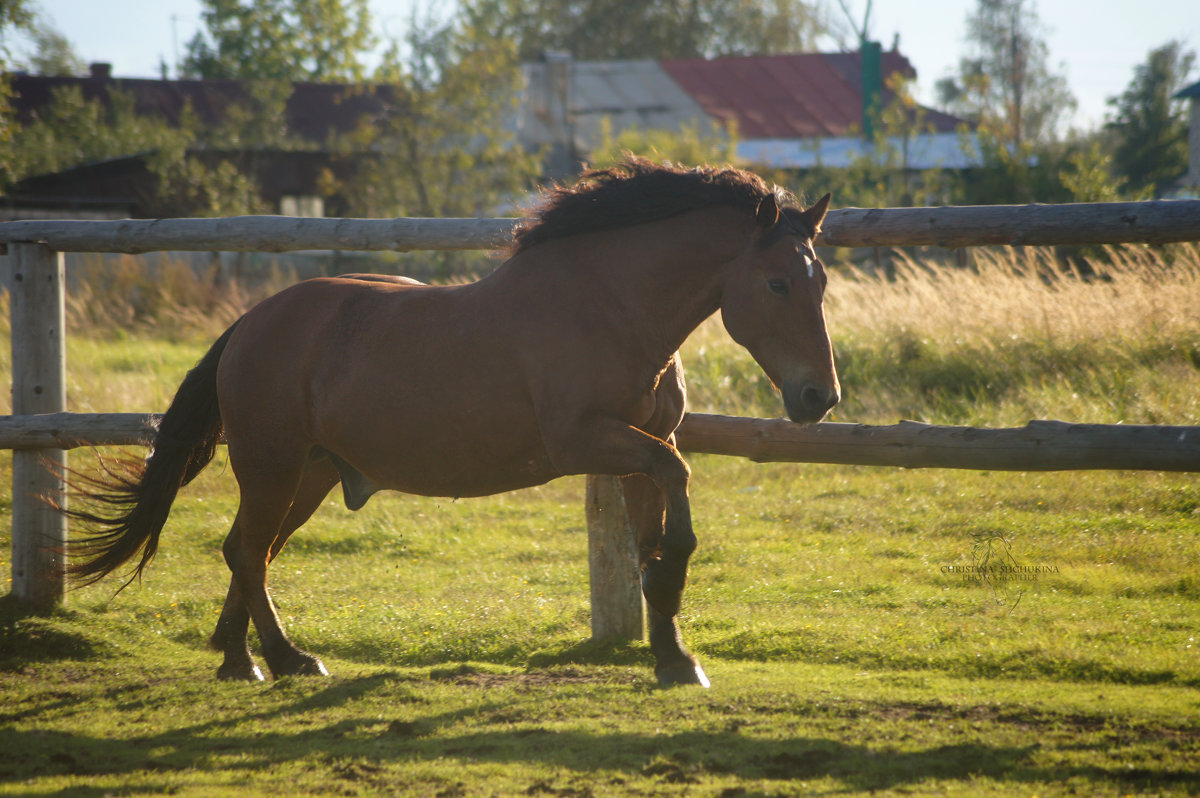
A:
x: 843, y: 656
x: 828, y: 604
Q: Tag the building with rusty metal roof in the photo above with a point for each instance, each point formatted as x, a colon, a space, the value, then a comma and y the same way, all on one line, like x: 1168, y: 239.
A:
x: 792, y: 111
x: 1190, y: 184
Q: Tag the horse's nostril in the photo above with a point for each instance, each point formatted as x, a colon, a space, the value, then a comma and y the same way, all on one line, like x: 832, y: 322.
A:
x: 816, y: 400
x: 808, y: 403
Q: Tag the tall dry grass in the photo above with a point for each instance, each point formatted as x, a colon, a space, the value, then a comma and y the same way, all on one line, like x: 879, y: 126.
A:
x: 1129, y: 296
x: 1012, y: 338
x: 173, y: 300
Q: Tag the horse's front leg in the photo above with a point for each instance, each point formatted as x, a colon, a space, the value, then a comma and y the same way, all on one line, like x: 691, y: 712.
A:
x: 674, y: 664
x: 611, y: 447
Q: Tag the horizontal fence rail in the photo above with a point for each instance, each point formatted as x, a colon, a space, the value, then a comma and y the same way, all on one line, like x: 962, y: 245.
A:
x: 1156, y: 222
x: 260, y: 234
x: 1037, y: 446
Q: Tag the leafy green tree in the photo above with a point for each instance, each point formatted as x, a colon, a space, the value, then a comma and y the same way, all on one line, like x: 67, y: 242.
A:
x: 688, y: 146
x: 1150, y: 128
x: 440, y: 147
x: 1006, y: 87
x: 608, y: 29
x: 301, y: 40
x: 14, y: 15
x: 71, y: 130
x: 1086, y: 174
x: 884, y: 174
x: 1005, y: 82
x: 187, y: 185
x: 258, y: 121
x: 53, y: 53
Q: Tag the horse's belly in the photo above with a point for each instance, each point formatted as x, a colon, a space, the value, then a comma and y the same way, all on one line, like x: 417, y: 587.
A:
x: 462, y: 456
x: 440, y: 476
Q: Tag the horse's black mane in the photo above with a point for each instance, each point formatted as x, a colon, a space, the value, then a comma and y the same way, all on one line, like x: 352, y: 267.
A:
x: 637, y: 191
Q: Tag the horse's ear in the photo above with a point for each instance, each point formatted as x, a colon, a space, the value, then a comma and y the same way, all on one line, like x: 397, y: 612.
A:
x: 816, y: 214
x: 767, y: 215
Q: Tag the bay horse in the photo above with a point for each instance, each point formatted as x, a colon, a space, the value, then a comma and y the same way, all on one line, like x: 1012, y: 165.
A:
x: 563, y: 360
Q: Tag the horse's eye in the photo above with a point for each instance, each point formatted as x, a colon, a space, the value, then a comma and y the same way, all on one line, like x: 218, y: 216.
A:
x: 778, y: 287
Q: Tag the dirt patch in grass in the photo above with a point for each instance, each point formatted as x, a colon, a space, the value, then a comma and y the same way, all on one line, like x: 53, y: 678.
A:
x: 533, y: 679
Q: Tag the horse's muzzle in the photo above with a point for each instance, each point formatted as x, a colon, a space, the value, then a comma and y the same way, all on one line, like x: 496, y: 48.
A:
x: 806, y: 404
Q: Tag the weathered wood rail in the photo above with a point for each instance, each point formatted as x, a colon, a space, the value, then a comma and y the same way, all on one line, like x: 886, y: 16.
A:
x: 40, y: 431
x: 1156, y: 222
x: 1037, y: 446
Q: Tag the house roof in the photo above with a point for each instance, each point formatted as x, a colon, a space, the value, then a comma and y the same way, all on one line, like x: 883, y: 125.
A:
x: 1191, y: 92
x: 128, y: 185
x: 574, y: 100
x: 797, y: 96
x: 313, y: 110
x: 791, y: 111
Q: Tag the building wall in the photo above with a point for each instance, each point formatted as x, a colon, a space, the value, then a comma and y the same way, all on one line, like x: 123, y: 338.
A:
x: 1194, y: 143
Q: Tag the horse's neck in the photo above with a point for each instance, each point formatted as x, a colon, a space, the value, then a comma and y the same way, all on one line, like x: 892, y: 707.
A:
x: 643, y: 288
x: 675, y: 270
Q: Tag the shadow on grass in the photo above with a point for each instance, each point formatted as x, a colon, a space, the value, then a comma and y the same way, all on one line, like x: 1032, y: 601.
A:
x: 28, y: 637
x: 591, y: 652
x: 579, y: 652
x: 369, y: 748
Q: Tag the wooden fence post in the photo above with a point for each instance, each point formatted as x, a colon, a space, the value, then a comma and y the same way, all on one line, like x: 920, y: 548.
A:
x: 618, y: 612
x: 39, y: 533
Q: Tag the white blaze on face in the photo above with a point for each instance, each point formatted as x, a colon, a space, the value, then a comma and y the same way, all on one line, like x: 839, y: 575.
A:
x: 809, y: 263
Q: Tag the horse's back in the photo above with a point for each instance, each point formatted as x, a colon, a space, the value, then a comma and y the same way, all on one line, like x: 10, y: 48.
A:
x: 411, y: 384
x: 369, y: 277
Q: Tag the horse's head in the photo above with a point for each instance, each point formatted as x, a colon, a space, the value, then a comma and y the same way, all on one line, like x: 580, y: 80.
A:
x: 772, y: 305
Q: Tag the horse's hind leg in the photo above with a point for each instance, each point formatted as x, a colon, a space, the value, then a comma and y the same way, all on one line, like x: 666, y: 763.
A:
x: 230, y: 639
x: 674, y: 664
x: 252, y: 543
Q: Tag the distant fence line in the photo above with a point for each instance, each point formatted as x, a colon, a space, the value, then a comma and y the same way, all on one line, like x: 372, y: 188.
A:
x: 40, y: 429
x: 1155, y: 222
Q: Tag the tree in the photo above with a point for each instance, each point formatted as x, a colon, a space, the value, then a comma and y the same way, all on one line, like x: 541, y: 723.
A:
x: 1006, y: 88
x: 299, y: 40
x: 1150, y: 128
x: 608, y: 29
x: 441, y: 147
x: 71, y: 130
x: 883, y: 175
x: 1005, y: 83
x: 14, y: 15
x: 53, y: 53
x: 688, y: 146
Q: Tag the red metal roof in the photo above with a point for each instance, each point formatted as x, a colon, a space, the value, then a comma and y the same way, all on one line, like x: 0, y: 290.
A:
x: 809, y: 95
x: 313, y: 110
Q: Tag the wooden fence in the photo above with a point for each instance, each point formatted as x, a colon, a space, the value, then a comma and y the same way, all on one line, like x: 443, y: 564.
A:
x: 40, y: 430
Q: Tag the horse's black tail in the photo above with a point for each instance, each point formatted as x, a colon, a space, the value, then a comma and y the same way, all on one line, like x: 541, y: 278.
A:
x: 125, y: 507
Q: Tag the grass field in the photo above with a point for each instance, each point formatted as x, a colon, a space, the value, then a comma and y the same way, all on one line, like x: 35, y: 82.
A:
x: 849, y: 648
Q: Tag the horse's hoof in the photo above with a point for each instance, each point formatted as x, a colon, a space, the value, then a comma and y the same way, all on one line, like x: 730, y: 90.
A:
x: 302, y: 665
x: 294, y: 663
x: 241, y: 672
x: 311, y: 666
x: 681, y: 673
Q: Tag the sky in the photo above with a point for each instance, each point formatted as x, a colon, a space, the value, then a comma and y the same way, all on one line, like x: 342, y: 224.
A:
x: 1095, y: 44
